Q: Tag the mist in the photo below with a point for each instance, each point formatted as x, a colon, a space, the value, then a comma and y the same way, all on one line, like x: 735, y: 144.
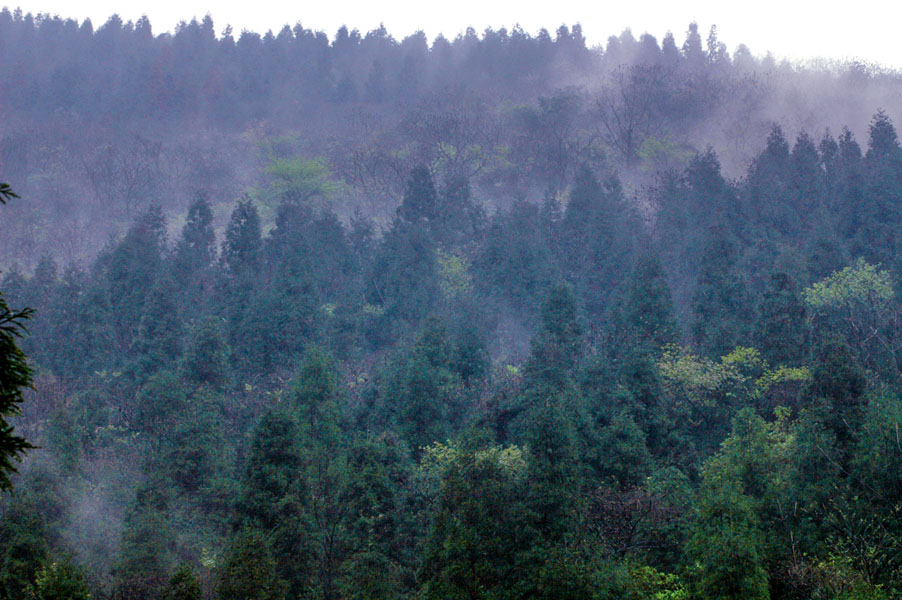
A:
x: 508, y: 315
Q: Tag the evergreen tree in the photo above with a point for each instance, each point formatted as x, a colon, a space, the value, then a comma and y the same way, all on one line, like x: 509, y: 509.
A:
x: 160, y: 333
x: 646, y: 315
x: 206, y: 360
x: 250, y: 572
x: 195, y: 254
x: 719, y: 302
x: 781, y: 330
x: 556, y: 348
x: 274, y: 471
x: 420, y: 201
x: 15, y: 375
x: 127, y: 274
x: 60, y: 580
x: 183, y: 585
x: 596, y: 233
x: 242, y: 244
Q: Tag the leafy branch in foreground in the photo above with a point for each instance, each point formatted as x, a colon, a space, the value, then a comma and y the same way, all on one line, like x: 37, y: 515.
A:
x: 6, y: 193
x: 15, y: 375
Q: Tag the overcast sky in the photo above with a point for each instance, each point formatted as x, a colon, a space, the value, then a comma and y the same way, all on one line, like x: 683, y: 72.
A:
x: 796, y: 29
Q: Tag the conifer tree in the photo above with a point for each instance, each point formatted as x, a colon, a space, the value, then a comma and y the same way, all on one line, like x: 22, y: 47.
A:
x: 781, y: 331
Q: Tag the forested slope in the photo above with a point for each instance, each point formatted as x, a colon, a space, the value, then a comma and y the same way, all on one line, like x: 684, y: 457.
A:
x: 559, y: 365
x: 101, y: 123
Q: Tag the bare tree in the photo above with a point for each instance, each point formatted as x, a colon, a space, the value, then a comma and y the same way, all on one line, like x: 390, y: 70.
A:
x: 630, y: 108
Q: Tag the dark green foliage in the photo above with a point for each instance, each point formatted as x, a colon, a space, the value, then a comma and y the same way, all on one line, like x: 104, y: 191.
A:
x: 160, y: 334
x: 645, y: 317
x: 183, y: 585
x: 15, y: 375
x: 271, y: 476
x: 195, y: 450
x: 128, y: 274
x: 403, y: 281
x: 273, y: 506
x: 314, y: 400
x: 719, y: 302
x: 471, y: 358
x: 146, y: 548
x: 598, y: 391
x: 480, y: 528
x: 781, y: 332
x: 242, y: 244
x: 424, y: 389
x: 206, y: 360
x: 194, y: 256
x: 517, y: 262
x: 838, y: 380
x: 597, y: 232
x: 725, y: 548
x: 623, y: 452
x: 556, y: 348
x: 27, y: 532
x: 60, y: 580
x: 420, y: 201
x: 159, y: 402
x: 249, y: 572
x: 552, y: 443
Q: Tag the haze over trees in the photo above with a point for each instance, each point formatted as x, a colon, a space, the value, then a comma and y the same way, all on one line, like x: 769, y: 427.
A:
x: 502, y: 316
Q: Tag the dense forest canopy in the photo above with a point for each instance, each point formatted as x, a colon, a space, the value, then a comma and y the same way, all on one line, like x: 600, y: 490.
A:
x: 497, y: 317
x: 100, y: 124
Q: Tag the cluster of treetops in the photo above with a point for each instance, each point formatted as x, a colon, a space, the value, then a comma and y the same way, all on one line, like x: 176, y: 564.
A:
x: 99, y: 124
x: 569, y: 399
x: 123, y: 72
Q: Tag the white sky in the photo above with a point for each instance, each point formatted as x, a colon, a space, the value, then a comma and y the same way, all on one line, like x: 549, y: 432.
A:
x: 797, y: 29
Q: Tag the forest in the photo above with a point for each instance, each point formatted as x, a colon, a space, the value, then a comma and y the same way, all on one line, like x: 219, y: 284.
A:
x: 498, y: 317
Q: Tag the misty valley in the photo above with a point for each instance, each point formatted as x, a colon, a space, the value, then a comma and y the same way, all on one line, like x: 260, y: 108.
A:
x: 502, y: 316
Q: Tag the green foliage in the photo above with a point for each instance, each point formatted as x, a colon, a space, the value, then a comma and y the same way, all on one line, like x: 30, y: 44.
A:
x: 624, y: 453
x: 300, y: 180
x: 60, y: 580
x: 725, y: 550
x: 861, y: 284
x: 271, y: 479
x: 206, y: 360
x: 556, y: 348
x: 15, y: 374
x: 241, y: 247
x: 455, y: 280
x: 646, y: 316
x: 426, y: 402
x: 719, y: 302
x: 146, y: 549
x: 249, y: 572
x: 183, y: 585
x: 781, y: 331
x: 480, y: 524
x: 159, y: 403
x: 315, y: 399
